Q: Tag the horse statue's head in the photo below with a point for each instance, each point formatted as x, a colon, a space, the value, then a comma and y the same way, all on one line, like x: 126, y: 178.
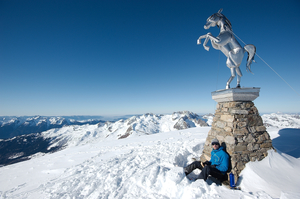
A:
x: 215, y: 19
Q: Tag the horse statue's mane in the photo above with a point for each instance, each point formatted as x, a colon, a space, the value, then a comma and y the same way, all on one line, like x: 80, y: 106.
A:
x: 227, y: 22
x: 219, y: 14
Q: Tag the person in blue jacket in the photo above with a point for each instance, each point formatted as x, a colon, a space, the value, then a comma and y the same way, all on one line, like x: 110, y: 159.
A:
x: 216, y: 167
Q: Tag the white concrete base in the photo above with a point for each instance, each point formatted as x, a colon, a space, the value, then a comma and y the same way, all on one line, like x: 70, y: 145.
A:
x: 236, y: 94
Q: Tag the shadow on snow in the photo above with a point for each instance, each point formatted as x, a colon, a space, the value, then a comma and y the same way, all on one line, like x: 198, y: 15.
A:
x: 288, y: 142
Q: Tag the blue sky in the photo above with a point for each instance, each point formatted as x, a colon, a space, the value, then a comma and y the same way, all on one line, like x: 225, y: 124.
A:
x: 132, y: 57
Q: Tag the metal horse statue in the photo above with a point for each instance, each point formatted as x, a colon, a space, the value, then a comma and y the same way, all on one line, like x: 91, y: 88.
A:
x: 227, y: 43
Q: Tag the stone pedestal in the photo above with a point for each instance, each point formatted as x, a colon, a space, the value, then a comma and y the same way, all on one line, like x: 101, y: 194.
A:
x: 239, y: 128
x: 236, y: 95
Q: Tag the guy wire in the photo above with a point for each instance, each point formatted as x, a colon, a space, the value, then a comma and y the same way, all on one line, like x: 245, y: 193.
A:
x: 218, y: 70
x: 269, y: 66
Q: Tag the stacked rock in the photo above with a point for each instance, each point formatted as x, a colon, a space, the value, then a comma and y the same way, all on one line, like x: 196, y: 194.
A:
x: 239, y: 128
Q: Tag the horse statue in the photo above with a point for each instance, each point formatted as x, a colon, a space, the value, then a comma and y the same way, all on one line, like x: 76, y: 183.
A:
x: 227, y: 43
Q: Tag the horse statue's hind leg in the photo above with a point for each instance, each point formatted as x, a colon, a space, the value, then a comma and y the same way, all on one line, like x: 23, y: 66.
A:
x: 234, y: 71
x: 230, y: 78
x: 239, y: 73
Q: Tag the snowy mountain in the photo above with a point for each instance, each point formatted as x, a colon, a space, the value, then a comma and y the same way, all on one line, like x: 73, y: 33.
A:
x: 16, y: 149
x: 15, y: 126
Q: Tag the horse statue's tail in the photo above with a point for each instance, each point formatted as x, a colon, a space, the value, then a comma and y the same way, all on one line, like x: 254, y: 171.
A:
x: 251, y: 49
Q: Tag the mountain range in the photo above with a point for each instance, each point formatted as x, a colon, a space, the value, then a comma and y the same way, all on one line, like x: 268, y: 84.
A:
x: 64, y: 132
x: 15, y: 126
x: 42, y: 135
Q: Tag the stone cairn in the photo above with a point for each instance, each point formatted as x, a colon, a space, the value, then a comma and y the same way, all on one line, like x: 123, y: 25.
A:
x: 240, y: 130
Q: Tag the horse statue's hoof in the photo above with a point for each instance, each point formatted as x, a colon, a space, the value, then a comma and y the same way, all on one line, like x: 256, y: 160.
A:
x: 238, y: 86
x: 206, y: 48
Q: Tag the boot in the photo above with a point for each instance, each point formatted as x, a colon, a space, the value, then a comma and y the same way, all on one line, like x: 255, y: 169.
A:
x: 195, y: 165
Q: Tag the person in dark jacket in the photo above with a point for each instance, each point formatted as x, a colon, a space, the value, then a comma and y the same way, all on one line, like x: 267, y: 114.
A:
x: 216, y: 167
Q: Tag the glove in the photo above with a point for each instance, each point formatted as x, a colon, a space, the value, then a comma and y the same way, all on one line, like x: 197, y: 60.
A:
x: 206, y: 163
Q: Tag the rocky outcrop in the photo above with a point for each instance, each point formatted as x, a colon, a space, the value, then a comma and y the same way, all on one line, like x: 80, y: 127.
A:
x: 201, y: 122
x: 128, y: 132
x: 240, y: 130
x: 181, y: 124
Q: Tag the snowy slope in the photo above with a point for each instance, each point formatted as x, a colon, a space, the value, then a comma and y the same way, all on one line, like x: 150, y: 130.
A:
x: 276, y: 174
x: 148, y: 166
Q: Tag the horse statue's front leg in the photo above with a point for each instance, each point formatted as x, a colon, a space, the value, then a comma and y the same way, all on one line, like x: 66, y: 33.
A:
x: 201, y: 37
x: 205, y: 42
x: 207, y: 37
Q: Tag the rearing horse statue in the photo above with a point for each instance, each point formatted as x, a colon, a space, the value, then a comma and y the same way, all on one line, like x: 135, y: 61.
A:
x: 227, y: 43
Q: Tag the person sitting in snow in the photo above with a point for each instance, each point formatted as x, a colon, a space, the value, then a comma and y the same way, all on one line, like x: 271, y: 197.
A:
x: 216, y: 167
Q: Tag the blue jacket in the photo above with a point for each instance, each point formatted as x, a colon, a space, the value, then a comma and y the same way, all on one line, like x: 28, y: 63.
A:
x: 220, y: 158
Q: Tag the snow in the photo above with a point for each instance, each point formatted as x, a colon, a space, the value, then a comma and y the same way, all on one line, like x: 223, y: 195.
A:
x: 140, y: 166
x: 16, y: 155
x: 275, y: 174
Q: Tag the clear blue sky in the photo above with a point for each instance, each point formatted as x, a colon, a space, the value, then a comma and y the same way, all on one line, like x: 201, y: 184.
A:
x: 111, y: 57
